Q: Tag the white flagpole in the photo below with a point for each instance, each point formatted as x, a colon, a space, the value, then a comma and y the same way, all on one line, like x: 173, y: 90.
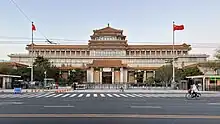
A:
x: 173, y: 79
x: 32, y: 54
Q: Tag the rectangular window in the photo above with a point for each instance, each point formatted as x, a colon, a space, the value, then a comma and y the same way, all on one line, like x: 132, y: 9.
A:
x: 153, y: 52
x: 158, y: 52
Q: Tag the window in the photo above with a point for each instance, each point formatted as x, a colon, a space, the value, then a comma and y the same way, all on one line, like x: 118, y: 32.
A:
x: 163, y: 52
x: 152, y: 52
x: 158, y: 52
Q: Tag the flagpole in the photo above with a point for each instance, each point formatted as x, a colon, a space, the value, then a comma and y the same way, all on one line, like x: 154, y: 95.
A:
x: 32, y: 54
x: 173, y: 79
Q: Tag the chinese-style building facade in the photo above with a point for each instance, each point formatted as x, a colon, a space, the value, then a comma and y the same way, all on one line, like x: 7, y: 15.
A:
x: 108, y: 58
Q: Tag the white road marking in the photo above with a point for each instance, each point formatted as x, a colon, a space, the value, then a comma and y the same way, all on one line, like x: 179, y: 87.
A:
x: 130, y: 95
x: 58, y: 106
x: 95, y: 95
x: 123, y: 95
x: 138, y: 95
x: 80, y: 95
x: 50, y: 95
x: 109, y: 95
x: 214, y: 103
x: 43, y: 95
x: 102, y: 95
x: 58, y: 95
x: 145, y: 107
x: 73, y: 95
x: 65, y: 95
x: 116, y: 95
x: 87, y: 95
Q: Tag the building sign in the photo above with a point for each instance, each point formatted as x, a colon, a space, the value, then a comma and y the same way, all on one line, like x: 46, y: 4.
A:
x: 106, y: 69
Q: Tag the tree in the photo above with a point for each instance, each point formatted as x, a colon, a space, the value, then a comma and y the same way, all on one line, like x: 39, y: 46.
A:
x: 5, y: 68
x: 40, y: 66
x: 217, y: 54
x: 190, y: 71
x: 77, y: 75
x: 164, y: 74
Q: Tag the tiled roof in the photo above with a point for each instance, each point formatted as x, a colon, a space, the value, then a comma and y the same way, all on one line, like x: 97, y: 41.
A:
x: 58, y: 46
x: 144, y: 68
x: 129, y: 47
x: 107, y: 63
x: 14, y: 64
x: 107, y: 29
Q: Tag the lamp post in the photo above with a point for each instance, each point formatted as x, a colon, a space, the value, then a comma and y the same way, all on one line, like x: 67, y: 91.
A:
x: 45, y: 78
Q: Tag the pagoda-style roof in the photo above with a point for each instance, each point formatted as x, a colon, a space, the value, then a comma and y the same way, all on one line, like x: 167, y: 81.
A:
x: 108, y: 29
x: 107, y: 63
x: 181, y: 46
x: 57, y: 46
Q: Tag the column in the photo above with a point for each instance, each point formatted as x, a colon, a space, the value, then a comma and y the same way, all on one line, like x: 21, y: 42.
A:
x: 125, y: 75
x: 154, y: 74
x: 3, y: 82
x: 100, y: 76
x: 145, y: 75
x: 203, y: 83
x: 113, y: 76
x: 121, y: 75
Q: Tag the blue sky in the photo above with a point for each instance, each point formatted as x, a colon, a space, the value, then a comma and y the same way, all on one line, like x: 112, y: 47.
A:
x: 143, y: 21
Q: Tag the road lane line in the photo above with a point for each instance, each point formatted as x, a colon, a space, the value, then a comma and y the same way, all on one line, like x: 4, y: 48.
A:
x: 109, y: 116
x: 123, y: 95
x: 87, y: 95
x: 116, y: 95
x: 58, y: 106
x: 109, y: 95
x: 65, y: 95
x: 141, y: 107
x: 50, y: 95
x: 73, y: 95
x: 102, y: 95
x: 43, y: 95
x: 138, y: 95
x: 58, y: 95
x: 80, y: 95
x: 130, y: 95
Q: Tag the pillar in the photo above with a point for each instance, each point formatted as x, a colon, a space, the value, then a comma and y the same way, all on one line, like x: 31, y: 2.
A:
x: 4, y: 83
x: 121, y: 75
x: 145, y: 75
x: 113, y: 76
x: 154, y: 74
x: 125, y: 75
x: 100, y: 76
x: 203, y: 83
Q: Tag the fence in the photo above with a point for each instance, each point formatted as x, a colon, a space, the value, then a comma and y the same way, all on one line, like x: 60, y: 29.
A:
x: 124, y: 85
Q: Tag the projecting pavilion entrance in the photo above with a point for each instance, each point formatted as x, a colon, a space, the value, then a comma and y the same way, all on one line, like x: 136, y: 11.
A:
x: 107, y: 77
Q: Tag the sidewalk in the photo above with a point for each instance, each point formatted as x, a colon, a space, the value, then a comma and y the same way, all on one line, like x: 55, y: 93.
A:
x: 110, y: 90
x: 146, y: 91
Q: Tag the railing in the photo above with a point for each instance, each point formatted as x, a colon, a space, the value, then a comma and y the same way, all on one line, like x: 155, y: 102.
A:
x: 118, y: 85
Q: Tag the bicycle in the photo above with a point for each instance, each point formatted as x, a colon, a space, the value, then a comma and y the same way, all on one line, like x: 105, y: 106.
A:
x: 190, y: 95
x: 121, y: 89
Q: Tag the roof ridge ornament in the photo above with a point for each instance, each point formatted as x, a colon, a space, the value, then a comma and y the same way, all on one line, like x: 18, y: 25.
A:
x: 108, y: 25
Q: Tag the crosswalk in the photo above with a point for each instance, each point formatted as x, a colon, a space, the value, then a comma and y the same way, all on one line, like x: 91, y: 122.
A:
x: 94, y: 95
x: 87, y: 95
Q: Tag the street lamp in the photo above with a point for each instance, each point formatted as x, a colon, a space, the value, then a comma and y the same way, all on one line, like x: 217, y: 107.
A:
x: 45, y: 78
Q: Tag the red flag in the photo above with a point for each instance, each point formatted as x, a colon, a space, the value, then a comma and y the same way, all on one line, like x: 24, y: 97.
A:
x: 33, y: 27
x: 178, y: 27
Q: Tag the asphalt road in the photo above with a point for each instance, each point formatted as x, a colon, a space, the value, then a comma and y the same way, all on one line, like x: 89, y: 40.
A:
x: 109, y: 110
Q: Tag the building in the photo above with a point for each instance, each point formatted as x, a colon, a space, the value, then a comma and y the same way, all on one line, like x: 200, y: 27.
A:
x: 108, y: 58
x: 6, y: 81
